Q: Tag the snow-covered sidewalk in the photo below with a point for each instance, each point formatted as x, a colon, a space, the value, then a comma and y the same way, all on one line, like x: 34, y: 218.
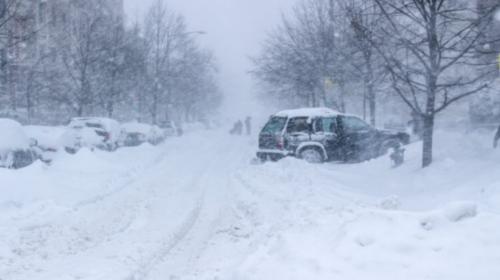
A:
x: 195, y: 208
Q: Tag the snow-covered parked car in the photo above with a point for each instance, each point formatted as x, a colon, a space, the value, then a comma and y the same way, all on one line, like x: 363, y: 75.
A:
x: 49, y: 140
x: 157, y: 135
x: 169, y: 128
x: 134, y: 134
x: 100, y: 133
x: 15, y: 145
x: 321, y: 134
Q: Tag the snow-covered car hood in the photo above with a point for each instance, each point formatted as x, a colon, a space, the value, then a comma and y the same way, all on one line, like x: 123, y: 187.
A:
x: 12, y: 136
x: 46, y: 136
x: 389, y: 131
x: 112, y: 127
x: 82, y: 136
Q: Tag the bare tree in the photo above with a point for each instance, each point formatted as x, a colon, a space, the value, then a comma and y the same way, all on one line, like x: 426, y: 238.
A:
x: 164, y: 37
x: 311, y: 59
x: 94, y: 65
x: 112, y: 81
x: 366, y: 21
x: 79, y: 60
x: 16, y: 29
x: 196, y: 92
x: 430, y: 51
x: 299, y: 55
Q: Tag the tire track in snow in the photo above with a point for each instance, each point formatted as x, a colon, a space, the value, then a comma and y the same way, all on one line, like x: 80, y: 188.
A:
x: 50, y: 234
x: 214, y: 204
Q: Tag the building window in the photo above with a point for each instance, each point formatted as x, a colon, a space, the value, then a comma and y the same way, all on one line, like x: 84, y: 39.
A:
x: 63, y: 19
x: 41, y: 12
x: 54, y: 17
x: 74, y: 28
x: 21, y: 85
x: 42, y: 51
x: 31, y: 48
x: 53, y: 54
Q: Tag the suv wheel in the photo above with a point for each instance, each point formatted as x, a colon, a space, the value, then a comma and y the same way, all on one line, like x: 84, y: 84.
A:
x: 311, y: 155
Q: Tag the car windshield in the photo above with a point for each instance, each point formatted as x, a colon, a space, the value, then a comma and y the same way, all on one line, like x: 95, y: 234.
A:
x: 274, y: 125
x: 94, y: 125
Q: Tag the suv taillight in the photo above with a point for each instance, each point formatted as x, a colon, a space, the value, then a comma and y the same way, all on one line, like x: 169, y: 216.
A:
x: 106, y: 136
x: 280, y: 144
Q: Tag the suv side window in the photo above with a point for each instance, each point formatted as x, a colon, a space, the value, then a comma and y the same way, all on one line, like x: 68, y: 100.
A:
x: 330, y: 125
x: 318, y: 125
x: 353, y: 124
x: 298, y: 125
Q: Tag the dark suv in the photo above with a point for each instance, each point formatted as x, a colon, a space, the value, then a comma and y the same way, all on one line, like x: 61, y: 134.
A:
x: 321, y: 134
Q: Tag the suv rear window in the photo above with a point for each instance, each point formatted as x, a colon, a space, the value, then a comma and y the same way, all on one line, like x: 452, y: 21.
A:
x: 274, y: 125
x: 165, y: 125
x: 94, y: 125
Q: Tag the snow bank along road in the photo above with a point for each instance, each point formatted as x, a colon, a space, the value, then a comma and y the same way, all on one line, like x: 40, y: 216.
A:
x: 194, y: 208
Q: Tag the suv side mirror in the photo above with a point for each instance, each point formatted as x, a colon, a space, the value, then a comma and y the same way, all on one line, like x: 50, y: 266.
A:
x: 33, y: 142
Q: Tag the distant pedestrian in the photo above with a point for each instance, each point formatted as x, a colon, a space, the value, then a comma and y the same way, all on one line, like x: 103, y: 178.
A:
x: 248, y: 125
x: 179, y: 129
x: 234, y: 129
x: 239, y: 127
x: 497, y: 137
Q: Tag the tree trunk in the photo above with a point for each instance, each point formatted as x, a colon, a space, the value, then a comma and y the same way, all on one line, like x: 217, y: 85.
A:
x: 313, y: 98
x: 371, y: 91
x: 342, y: 97
x: 28, y: 104
x: 79, y: 111
x: 110, y: 109
x: 427, y: 140
x: 432, y: 88
x: 371, y: 98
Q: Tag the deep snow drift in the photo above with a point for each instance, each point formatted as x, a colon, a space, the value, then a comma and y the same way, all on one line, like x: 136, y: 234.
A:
x: 195, y: 208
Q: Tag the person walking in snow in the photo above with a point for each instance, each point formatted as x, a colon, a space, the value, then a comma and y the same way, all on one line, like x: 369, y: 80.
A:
x: 247, y: 125
x: 239, y: 127
x: 234, y: 130
x: 497, y: 136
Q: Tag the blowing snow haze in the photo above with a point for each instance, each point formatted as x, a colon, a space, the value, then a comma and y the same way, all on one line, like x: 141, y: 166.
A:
x: 235, y: 30
x: 249, y: 139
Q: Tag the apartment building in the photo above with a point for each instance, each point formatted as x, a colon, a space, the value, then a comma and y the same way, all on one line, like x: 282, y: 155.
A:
x: 490, y: 42
x: 42, y: 29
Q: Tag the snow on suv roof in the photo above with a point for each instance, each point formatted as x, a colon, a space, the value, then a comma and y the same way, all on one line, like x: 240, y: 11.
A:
x: 92, y: 119
x: 308, y: 112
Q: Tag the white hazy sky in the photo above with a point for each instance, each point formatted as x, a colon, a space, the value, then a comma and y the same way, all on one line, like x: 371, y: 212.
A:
x: 235, y: 29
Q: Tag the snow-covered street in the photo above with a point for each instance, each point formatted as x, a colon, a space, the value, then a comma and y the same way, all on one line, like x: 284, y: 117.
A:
x: 195, y: 208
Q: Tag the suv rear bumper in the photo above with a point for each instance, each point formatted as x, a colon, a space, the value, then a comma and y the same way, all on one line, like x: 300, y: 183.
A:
x: 272, y: 154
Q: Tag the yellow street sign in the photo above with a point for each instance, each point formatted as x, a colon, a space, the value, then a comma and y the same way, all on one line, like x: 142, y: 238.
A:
x: 329, y: 82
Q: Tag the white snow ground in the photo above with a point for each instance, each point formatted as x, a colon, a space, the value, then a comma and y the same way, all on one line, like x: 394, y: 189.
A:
x: 194, y: 208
